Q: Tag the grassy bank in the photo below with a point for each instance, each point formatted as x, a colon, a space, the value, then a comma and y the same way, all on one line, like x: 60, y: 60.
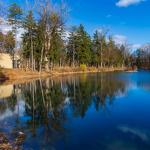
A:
x: 19, y: 74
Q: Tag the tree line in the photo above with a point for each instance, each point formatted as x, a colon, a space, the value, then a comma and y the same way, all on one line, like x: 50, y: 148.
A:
x: 141, y: 57
x: 44, y: 43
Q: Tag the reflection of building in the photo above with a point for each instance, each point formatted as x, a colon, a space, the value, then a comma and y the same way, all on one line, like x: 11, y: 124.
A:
x: 6, y: 91
x: 6, y: 61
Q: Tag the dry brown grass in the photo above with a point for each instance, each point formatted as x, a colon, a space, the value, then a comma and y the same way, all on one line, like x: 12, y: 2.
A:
x: 19, y: 75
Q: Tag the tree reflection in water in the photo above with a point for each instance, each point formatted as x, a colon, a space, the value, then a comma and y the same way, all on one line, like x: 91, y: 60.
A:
x: 47, y: 102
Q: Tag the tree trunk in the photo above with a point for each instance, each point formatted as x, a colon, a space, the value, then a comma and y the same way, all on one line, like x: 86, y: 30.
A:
x: 101, y: 56
x: 73, y: 55
x: 32, y: 57
x: 41, y: 60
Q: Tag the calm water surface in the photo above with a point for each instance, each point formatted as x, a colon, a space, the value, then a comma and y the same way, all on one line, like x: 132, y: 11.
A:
x: 109, y: 111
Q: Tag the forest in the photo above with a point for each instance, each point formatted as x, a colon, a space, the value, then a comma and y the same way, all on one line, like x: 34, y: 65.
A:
x: 47, y: 42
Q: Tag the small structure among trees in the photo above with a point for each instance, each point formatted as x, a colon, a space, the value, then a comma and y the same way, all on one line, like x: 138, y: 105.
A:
x: 8, y: 57
x: 6, y: 61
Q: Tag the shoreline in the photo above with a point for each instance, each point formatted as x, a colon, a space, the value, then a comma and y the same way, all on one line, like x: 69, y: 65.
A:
x: 19, y: 75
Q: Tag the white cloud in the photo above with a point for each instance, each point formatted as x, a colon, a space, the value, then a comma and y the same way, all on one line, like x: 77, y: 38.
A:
x: 5, y: 27
x: 136, y: 46
x: 126, y: 3
x: 120, y: 39
x: 123, y: 40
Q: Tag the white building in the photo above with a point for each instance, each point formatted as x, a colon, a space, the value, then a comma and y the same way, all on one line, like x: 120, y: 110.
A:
x: 6, y: 61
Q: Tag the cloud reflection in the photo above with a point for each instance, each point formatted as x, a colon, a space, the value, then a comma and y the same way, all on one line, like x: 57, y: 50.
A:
x: 137, y: 132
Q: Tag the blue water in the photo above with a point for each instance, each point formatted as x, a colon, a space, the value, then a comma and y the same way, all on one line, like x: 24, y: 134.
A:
x: 108, y: 111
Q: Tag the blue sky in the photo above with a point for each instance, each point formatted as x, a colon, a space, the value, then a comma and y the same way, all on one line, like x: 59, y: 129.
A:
x: 132, y: 21
x: 125, y: 18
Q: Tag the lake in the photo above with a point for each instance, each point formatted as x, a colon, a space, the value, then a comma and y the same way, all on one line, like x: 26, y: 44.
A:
x: 103, y: 111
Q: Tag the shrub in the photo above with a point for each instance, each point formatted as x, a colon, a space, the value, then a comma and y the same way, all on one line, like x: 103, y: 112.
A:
x: 83, y: 67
